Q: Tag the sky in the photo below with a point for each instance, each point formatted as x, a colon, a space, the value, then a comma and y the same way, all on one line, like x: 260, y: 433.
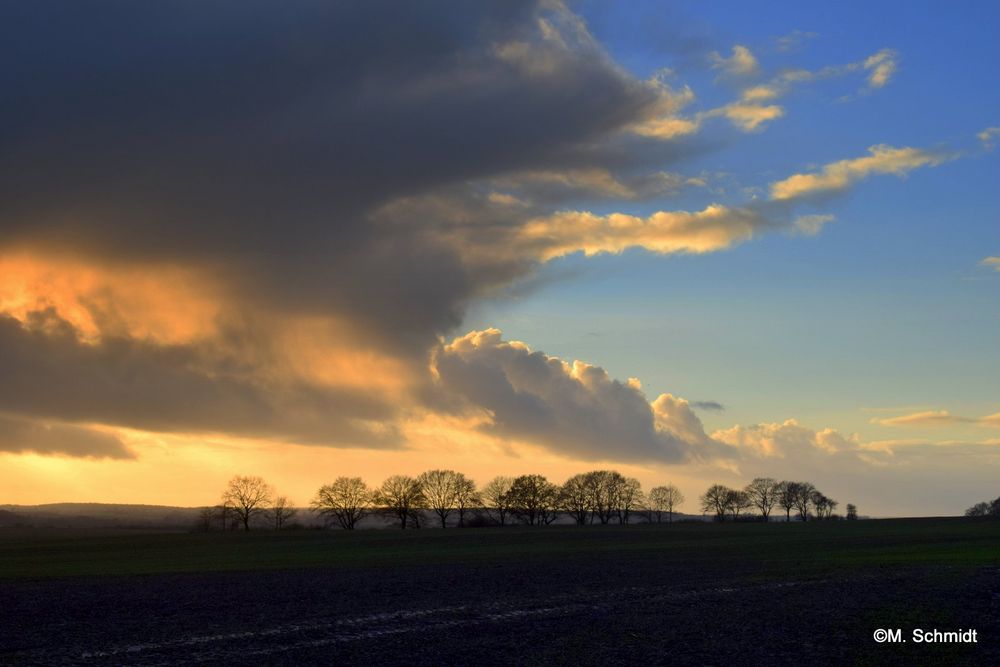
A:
x: 698, y: 243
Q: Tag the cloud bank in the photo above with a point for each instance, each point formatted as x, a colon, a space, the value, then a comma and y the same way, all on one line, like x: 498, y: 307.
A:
x: 264, y: 219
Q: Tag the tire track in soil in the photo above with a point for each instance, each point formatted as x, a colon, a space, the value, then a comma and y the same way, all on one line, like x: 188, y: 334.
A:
x: 312, y: 633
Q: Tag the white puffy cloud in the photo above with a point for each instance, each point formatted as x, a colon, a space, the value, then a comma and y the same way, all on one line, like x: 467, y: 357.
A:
x: 742, y: 62
x: 574, y: 409
x: 883, y: 477
x: 786, y: 439
x: 991, y: 262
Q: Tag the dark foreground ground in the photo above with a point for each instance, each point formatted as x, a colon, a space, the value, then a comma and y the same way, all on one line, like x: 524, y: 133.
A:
x: 680, y: 594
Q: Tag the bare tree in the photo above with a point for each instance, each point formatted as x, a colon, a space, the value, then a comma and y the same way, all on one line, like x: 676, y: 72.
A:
x: 803, y: 498
x: 737, y: 501
x: 549, y: 509
x: 574, y: 498
x: 347, y: 500
x: 852, y: 512
x: 763, y: 492
x: 786, y: 493
x: 448, y: 491
x: 402, y: 497
x: 282, y: 512
x: 831, y: 507
x: 466, y: 498
x: 534, y: 499
x: 441, y: 492
x: 496, y: 496
x: 247, y: 497
x: 824, y: 506
x: 665, y: 499
x: 716, y: 499
x: 630, y: 498
x: 605, y: 488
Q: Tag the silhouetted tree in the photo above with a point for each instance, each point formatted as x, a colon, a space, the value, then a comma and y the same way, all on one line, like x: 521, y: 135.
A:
x: 803, y: 498
x: 630, y: 498
x: 831, y: 507
x: 496, y: 496
x: 247, y: 497
x: 763, y: 492
x: 548, y: 510
x: 737, y: 501
x: 716, y: 499
x: 852, y: 512
x: 665, y: 499
x: 347, y: 500
x: 467, y: 498
x: 605, y: 487
x: 824, y: 506
x: 979, y: 509
x: 441, y: 488
x: 574, y: 498
x: 402, y: 497
x: 533, y: 499
x: 785, y: 492
x: 282, y: 512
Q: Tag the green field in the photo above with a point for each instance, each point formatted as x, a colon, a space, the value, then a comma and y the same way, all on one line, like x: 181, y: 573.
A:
x: 765, y: 549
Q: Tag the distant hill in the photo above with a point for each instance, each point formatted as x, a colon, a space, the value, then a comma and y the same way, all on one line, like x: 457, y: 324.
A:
x: 8, y: 518
x: 110, y: 515
x: 99, y: 515
x: 166, y: 517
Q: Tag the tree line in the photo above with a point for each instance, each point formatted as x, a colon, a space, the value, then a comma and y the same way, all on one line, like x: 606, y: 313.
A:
x: 599, y: 496
x: 447, y: 496
x: 763, y: 495
x: 990, y: 509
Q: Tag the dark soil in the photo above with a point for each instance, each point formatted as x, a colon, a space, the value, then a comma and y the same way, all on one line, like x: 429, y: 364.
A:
x: 591, y: 609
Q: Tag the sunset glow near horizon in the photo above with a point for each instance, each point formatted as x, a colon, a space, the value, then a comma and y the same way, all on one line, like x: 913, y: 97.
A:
x: 697, y: 244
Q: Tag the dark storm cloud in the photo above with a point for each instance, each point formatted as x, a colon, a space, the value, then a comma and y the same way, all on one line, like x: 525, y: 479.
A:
x: 258, y: 135
x: 48, y: 373
x: 294, y: 152
x: 23, y: 435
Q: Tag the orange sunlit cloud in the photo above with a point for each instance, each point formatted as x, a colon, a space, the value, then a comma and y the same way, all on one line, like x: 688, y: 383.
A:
x: 168, y: 305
